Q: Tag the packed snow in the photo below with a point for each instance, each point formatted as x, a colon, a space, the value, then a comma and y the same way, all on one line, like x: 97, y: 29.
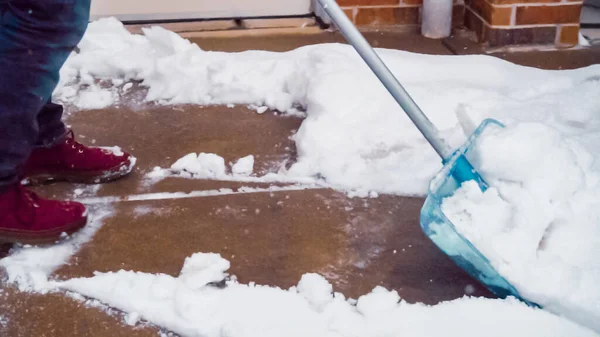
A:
x: 203, y: 165
x: 542, y: 235
x: 212, y: 166
x: 197, y: 303
x: 539, y: 223
x: 244, y: 166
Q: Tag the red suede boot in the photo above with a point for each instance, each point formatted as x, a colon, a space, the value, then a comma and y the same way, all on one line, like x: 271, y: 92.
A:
x: 74, y: 162
x: 26, y: 218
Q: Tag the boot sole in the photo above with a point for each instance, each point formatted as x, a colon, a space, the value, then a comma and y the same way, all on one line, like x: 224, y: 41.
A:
x: 41, y: 238
x: 89, y: 177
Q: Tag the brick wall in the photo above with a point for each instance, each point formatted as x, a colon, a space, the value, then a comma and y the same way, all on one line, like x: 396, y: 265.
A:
x: 365, y: 13
x: 495, y: 22
x: 523, y: 22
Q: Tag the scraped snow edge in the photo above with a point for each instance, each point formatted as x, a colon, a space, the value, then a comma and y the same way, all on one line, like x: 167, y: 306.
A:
x: 202, y: 301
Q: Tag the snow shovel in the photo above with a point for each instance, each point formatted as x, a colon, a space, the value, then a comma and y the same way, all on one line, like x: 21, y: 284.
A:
x: 457, y: 167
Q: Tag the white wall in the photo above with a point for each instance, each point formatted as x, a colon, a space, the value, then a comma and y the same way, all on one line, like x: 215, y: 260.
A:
x: 186, y: 9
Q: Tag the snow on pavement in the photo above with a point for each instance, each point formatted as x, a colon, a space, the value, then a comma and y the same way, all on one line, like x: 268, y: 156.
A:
x: 212, y: 166
x: 29, y: 267
x: 187, y: 305
x: 355, y: 135
x: 357, y: 139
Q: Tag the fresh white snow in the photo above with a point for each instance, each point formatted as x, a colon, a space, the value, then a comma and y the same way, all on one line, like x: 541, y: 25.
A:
x: 208, y: 166
x: 189, y: 306
x: 355, y: 135
x: 203, y: 165
x: 539, y: 224
x: 244, y: 166
x: 212, y: 166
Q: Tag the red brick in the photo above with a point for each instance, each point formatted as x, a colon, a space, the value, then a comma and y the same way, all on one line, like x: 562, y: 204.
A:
x: 350, y: 13
x: 521, y: 36
x: 568, y: 36
x: 347, y: 3
x: 385, y: 16
x: 534, y: 15
x: 494, y: 37
x: 508, y: 2
x: 493, y: 15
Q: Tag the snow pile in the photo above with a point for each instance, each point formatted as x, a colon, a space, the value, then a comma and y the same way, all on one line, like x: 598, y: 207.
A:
x: 211, y: 166
x: 201, y: 269
x: 244, y: 166
x: 192, y: 305
x: 539, y: 223
x: 203, y: 165
x: 30, y: 266
x: 355, y: 135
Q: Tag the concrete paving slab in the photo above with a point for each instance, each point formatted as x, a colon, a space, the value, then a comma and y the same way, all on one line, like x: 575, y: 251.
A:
x: 159, y: 135
x: 57, y: 315
x: 401, y: 40
x: 274, y: 238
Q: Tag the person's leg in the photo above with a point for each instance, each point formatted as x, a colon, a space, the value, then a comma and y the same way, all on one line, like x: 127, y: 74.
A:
x: 51, y: 127
x: 36, y: 37
x: 57, y: 156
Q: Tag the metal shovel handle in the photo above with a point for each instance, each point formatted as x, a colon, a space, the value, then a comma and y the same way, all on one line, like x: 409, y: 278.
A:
x: 364, y: 49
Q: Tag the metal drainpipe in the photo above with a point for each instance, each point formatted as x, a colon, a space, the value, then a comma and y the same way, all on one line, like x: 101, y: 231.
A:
x: 437, y: 18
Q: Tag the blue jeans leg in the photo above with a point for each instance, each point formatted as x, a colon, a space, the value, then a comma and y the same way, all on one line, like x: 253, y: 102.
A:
x: 51, y: 127
x: 36, y: 37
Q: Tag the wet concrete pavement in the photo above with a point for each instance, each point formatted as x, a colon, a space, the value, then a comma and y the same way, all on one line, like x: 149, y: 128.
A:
x: 271, y: 238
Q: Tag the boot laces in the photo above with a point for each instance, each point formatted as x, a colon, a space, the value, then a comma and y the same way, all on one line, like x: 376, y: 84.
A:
x: 73, y: 143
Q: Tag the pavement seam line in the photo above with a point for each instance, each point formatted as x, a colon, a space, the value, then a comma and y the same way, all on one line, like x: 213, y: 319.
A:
x: 192, y: 194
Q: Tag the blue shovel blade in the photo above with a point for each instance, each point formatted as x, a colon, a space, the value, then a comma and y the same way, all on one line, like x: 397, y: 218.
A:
x: 443, y: 233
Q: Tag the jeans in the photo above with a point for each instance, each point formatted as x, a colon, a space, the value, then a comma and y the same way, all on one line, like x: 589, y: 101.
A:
x: 36, y: 37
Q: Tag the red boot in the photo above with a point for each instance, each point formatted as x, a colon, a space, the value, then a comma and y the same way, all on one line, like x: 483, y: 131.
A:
x: 74, y: 162
x: 28, y: 219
